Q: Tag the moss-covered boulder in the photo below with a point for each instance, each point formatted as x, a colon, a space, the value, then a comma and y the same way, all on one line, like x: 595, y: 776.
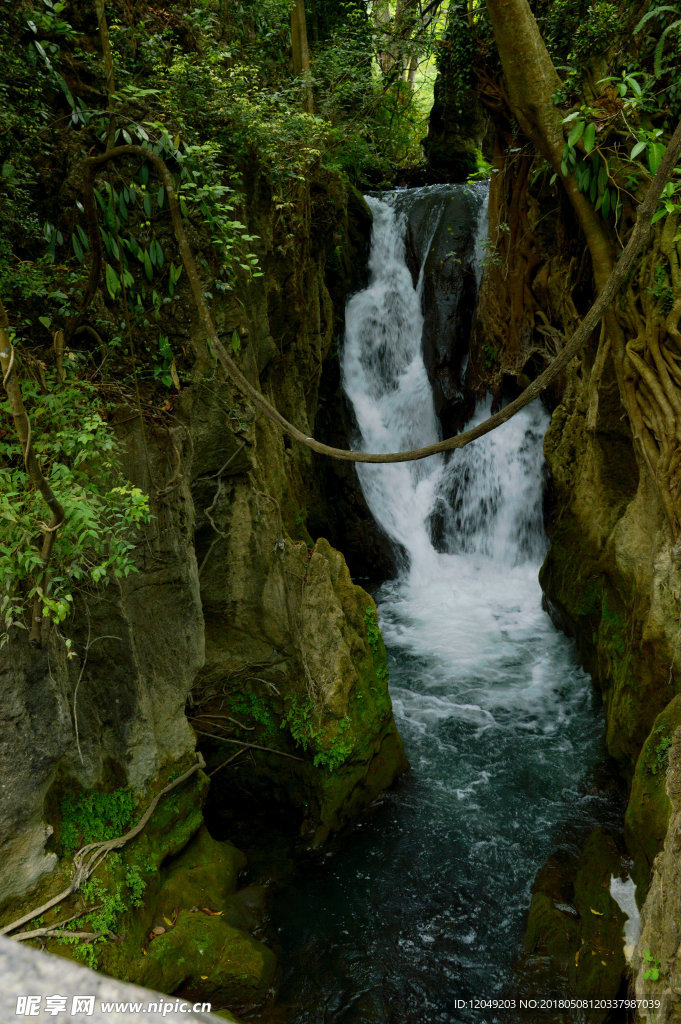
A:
x: 203, y: 875
x: 573, y: 944
x: 203, y: 954
x: 317, y: 723
x: 598, y: 968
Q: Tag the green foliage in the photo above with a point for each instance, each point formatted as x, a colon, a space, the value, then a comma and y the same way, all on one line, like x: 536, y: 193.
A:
x: 595, y: 32
x: 660, y: 753
x: 604, y: 169
x: 94, y: 817
x: 333, y: 756
x: 490, y: 357
x: 136, y: 884
x: 332, y: 745
x: 110, y: 901
x: 658, y: 12
x: 299, y: 719
x: 663, y: 290
x: 249, y: 706
x: 456, y: 53
x: 652, y: 972
x: 79, y: 457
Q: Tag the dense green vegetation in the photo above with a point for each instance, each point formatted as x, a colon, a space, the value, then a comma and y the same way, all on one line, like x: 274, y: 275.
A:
x: 89, y: 269
x: 89, y: 264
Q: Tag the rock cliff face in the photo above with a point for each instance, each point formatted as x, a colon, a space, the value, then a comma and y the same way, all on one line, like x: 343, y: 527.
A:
x: 236, y: 616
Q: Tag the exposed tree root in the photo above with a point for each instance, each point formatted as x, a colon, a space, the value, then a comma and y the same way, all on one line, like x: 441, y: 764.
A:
x: 88, y: 858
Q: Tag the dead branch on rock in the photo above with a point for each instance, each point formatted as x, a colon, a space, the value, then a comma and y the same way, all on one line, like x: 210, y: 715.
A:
x: 246, y: 746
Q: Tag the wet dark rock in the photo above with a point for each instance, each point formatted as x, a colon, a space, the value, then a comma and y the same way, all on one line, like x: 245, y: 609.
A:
x: 442, y: 230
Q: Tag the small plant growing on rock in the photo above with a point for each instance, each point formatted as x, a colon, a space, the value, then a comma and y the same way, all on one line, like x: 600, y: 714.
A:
x: 652, y: 972
x: 375, y: 644
x: 660, y: 758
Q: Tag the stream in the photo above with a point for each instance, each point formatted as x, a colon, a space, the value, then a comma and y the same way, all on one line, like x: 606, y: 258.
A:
x: 420, y: 908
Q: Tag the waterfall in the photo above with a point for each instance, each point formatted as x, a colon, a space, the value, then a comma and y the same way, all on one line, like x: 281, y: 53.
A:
x: 421, y: 907
x: 486, y: 497
x: 386, y: 381
x: 475, y: 600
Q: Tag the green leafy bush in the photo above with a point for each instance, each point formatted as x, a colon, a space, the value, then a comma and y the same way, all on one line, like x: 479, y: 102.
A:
x: 79, y: 457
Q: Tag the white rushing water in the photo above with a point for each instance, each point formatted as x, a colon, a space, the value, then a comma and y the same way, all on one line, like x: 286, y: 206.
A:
x: 480, y: 593
x: 423, y: 906
x: 387, y: 383
x: 496, y: 713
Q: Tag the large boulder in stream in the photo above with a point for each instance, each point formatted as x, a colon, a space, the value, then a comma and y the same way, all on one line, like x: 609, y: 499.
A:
x: 445, y: 228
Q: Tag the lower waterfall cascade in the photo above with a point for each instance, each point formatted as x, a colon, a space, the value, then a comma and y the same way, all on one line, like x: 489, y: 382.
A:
x: 420, y: 908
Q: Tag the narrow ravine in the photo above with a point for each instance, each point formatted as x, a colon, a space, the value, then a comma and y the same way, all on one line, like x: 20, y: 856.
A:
x: 422, y: 905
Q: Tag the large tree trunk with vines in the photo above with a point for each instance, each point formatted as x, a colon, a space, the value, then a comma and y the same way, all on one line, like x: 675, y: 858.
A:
x: 644, y: 348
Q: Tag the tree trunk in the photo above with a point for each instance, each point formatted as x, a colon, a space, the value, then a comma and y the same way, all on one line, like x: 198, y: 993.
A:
x: 301, y: 53
x: 643, y: 356
x: 381, y: 14
x: 532, y: 81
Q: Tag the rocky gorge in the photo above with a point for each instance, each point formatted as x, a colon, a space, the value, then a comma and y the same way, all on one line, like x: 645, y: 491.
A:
x: 237, y: 676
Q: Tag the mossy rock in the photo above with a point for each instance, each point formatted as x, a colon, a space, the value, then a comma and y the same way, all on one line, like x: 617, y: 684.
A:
x: 203, y: 875
x: 574, y: 927
x: 175, y: 820
x: 246, y: 908
x: 597, y: 970
x: 204, y: 955
x: 550, y: 930
x: 648, y: 811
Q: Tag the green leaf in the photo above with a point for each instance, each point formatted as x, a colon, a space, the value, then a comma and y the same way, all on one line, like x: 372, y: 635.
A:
x: 148, y: 268
x: 589, y: 137
x: 658, y: 216
x: 653, y: 12
x: 112, y: 282
x: 635, y: 87
x: 638, y: 148
x: 236, y: 342
x: 576, y: 134
x: 655, y: 154
x: 602, y: 177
